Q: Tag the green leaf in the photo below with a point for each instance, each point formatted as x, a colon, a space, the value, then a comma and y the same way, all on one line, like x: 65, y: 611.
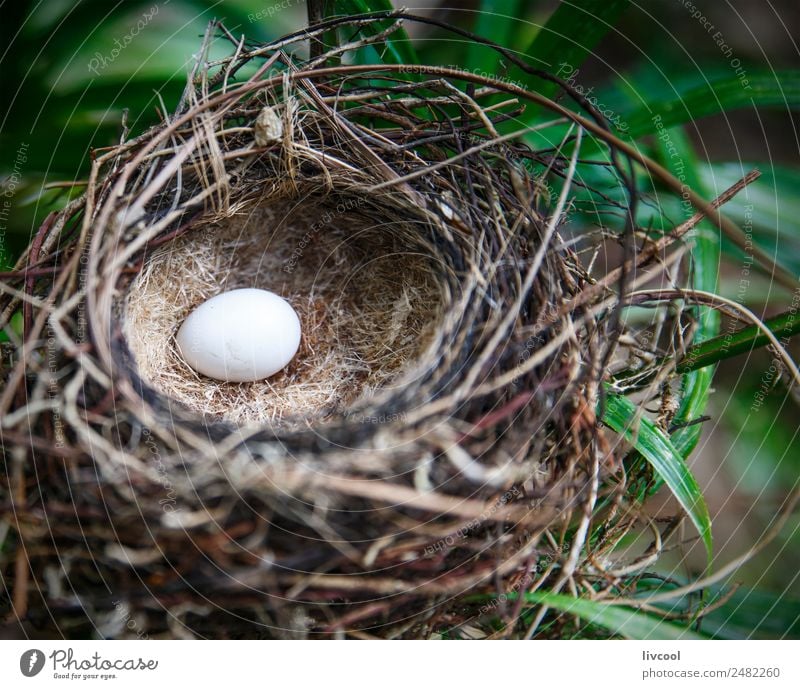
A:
x: 679, y: 156
x: 762, y: 456
x: 398, y: 47
x: 570, y: 35
x: 626, y: 622
x: 680, y: 102
x: 499, y: 22
x: 770, y: 205
x: 743, y: 613
x: 657, y: 448
x: 773, y: 196
x: 754, y: 614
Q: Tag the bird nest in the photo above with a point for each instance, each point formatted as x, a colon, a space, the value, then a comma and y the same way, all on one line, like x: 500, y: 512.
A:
x: 434, y: 447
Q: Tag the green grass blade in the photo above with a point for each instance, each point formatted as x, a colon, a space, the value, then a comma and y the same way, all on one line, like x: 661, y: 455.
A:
x: 570, y: 35
x: 626, y: 622
x: 657, y: 448
x: 740, y: 613
x: 691, y: 101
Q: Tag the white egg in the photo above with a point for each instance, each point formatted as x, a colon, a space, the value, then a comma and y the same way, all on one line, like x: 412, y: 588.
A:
x: 240, y: 336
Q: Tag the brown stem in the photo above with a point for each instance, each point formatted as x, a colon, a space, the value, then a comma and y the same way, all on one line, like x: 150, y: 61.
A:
x: 655, y: 248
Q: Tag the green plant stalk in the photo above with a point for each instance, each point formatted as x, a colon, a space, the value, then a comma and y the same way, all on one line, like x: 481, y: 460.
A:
x: 740, y: 342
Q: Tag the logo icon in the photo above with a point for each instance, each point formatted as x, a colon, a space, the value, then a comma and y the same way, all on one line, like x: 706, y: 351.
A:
x: 31, y: 662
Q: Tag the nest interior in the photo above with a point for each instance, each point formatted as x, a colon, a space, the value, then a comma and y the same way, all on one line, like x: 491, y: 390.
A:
x: 434, y: 444
x: 368, y: 300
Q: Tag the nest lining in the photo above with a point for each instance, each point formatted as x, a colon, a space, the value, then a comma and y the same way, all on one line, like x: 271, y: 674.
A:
x: 367, y: 302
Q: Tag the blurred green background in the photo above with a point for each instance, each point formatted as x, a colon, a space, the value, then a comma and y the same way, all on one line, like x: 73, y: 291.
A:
x: 723, y: 76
